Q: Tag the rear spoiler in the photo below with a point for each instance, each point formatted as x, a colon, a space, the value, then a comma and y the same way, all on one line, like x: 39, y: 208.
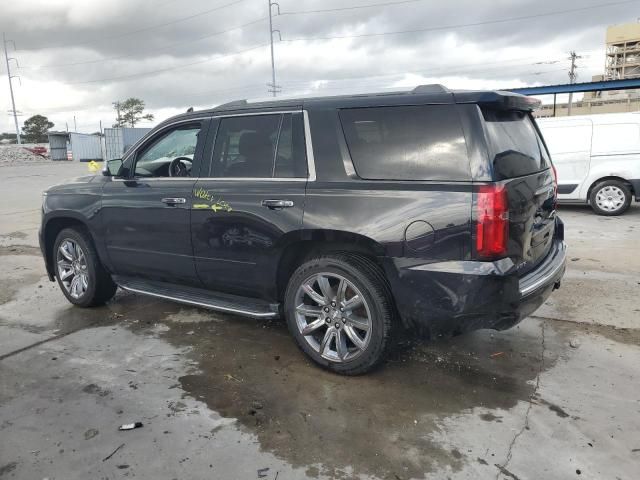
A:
x: 498, y: 100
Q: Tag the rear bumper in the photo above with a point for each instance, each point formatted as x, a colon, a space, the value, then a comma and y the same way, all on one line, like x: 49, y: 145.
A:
x: 454, y: 297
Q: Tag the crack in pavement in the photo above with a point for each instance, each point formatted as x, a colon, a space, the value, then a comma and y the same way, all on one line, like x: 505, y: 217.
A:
x: 503, y: 468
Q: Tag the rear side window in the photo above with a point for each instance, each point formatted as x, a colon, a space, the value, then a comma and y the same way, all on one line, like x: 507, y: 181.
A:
x: 423, y: 142
x: 260, y: 146
x: 516, y: 147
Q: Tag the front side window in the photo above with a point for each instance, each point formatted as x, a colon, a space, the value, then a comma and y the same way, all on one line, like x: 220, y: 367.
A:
x: 171, y: 155
x: 260, y: 146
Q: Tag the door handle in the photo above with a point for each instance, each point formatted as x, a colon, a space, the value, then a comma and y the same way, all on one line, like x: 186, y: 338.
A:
x: 277, y: 204
x: 174, y: 201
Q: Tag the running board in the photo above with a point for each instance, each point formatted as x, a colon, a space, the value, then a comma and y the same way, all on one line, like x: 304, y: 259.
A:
x: 199, y: 297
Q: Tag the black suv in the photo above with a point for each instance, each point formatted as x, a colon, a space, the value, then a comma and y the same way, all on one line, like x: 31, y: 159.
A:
x: 430, y: 210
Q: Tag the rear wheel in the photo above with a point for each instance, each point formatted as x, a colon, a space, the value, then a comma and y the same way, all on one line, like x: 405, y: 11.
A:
x: 80, y: 275
x: 611, y: 197
x: 339, y: 310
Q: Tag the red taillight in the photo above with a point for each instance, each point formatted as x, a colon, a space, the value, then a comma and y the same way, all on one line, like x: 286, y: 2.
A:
x: 492, y: 222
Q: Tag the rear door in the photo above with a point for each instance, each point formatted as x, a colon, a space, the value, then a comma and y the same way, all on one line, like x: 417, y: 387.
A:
x: 520, y: 161
x: 250, y: 198
x: 569, y: 143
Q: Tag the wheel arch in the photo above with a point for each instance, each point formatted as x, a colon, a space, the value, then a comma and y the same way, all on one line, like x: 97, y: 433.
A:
x: 611, y: 177
x: 309, y: 243
x: 51, y: 229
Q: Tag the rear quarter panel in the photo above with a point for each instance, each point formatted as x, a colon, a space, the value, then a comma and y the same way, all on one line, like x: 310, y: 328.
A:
x: 382, y: 210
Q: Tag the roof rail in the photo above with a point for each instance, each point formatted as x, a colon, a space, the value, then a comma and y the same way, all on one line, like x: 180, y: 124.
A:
x: 432, y: 88
x: 235, y: 103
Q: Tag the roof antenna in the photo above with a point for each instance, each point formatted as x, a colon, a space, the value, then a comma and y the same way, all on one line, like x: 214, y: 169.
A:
x: 190, y: 109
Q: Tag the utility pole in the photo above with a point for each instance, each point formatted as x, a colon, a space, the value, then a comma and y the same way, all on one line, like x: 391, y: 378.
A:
x: 572, y: 78
x: 116, y: 105
x: 13, y: 102
x: 273, y: 87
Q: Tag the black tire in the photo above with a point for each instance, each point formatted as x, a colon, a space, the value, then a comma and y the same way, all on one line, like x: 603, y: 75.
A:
x: 369, y: 279
x: 601, y: 209
x: 101, y: 287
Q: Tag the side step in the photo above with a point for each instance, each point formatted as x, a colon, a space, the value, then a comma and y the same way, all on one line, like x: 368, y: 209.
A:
x: 223, y: 302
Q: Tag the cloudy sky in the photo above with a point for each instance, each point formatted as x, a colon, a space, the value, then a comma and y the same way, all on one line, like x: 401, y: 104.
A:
x: 76, y: 57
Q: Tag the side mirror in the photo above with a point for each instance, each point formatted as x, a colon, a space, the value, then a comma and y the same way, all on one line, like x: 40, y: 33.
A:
x: 112, y: 167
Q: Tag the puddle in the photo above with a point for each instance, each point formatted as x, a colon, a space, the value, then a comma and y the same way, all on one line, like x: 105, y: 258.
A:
x: 379, y: 424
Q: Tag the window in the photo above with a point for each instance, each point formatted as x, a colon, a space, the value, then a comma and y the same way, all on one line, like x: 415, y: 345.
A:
x: 406, y: 143
x: 291, y: 161
x: 260, y: 146
x: 169, y: 156
x: 515, y: 144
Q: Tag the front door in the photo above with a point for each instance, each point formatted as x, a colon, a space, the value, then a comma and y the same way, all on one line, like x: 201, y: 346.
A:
x: 146, y: 213
x: 249, y: 201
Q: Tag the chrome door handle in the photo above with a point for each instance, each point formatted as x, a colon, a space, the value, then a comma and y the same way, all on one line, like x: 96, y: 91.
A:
x: 174, y: 201
x: 274, y: 204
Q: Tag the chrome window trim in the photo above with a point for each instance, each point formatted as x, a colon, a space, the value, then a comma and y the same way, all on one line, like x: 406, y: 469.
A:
x: 311, y: 165
x: 311, y: 162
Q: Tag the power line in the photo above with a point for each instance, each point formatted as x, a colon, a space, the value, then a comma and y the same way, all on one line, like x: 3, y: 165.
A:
x: 354, y: 7
x: 162, y: 49
x: 144, y: 29
x: 473, y: 68
x: 464, y: 25
x: 162, y: 70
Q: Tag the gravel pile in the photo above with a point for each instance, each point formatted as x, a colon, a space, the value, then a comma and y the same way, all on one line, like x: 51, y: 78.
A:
x: 11, y: 155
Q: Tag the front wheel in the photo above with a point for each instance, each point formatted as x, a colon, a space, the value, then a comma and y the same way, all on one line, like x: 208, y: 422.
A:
x: 610, y: 197
x: 80, y: 275
x: 339, y: 310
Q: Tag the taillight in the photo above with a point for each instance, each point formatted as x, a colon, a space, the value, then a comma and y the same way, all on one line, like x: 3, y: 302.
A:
x: 492, y: 221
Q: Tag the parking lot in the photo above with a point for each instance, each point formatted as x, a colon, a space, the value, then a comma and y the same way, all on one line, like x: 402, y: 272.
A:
x: 221, y: 396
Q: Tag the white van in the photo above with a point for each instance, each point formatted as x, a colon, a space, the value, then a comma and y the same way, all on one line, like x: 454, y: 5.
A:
x: 597, y: 158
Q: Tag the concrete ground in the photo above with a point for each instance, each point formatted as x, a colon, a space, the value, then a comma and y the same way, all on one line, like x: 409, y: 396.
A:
x: 226, y: 397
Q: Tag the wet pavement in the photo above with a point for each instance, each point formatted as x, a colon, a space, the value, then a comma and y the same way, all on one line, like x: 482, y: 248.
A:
x: 221, y: 396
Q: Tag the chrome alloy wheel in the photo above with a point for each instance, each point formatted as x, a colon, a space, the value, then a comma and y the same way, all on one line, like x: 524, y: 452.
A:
x: 72, y: 268
x: 610, y: 198
x: 333, y: 316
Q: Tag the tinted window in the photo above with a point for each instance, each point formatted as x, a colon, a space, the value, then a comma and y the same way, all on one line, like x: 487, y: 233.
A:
x: 259, y: 146
x: 155, y: 159
x: 406, y: 143
x: 291, y: 160
x: 515, y: 145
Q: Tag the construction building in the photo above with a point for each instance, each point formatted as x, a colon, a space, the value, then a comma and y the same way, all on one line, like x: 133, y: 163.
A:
x: 622, y: 61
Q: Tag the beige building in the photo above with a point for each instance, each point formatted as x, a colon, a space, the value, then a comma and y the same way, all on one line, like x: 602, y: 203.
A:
x: 622, y: 60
